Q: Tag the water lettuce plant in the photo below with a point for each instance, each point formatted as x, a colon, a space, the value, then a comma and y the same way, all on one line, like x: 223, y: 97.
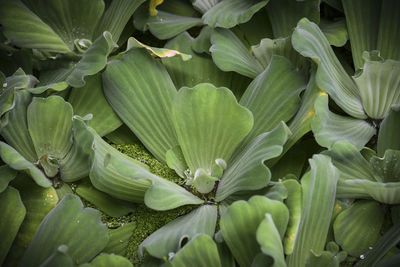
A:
x: 201, y: 132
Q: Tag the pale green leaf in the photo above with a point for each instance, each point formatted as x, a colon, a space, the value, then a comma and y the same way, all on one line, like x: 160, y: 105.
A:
x: 201, y: 251
x: 116, y: 17
x: 59, y: 258
x: 389, y: 131
x: 108, y: 260
x: 229, y: 13
x: 7, y: 174
x: 209, y: 124
x: 358, y: 227
x: 119, y: 239
x: 141, y: 92
x: 331, y: 77
x: 166, y: 25
x: 335, y: 31
x: 204, y: 5
x: 92, y: 61
x: 387, y: 167
x: 90, y: 99
x: 67, y: 219
x: 240, y: 221
x: 246, y: 171
x: 379, y: 84
x: 170, y: 238
x: 270, y: 241
x: 329, y: 127
x: 230, y: 54
x: 16, y: 161
x: 319, y: 191
x: 273, y: 96
x: 109, y: 205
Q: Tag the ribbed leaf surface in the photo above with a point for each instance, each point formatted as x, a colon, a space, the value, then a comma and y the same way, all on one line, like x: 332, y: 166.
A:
x: 229, y: 13
x: 358, y: 227
x: 38, y: 201
x: 309, y: 41
x: 389, y: 132
x: 68, y: 219
x: 209, y: 124
x: 199, y: 69
x: 16, y: 131
x: 273, y: 96
x: 25, y: 29
x: 166, y: 25
x: 201, y: 251
x: 119, y: 239
x: 379, y: 85
x: 284, y: 14
x: 90, y: 99
x: 141, y: 92
x: 319, y: 191
x: 246, y: 171
x: 169, y: 238
x: 239, y: 224
x: 230, y: 54
x: 270, y: 241
x: 329, y: 127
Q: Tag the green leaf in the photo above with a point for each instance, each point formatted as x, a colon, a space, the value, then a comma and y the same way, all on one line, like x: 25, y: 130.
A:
x: 209, y: 124
x: 387, y: 167
x: 67, y: 219
x: 350, y: 162
x: 16, y: 132
x: 284, y: 14
x: 12, y: 213
x: 166, y: 25
x: 246, y: 171
x: 155, y: 51
x: 270, y: 241
x: 293, y: 203
x: 199, y: 69
x: 229, y: 13
x: 331, y: 77
x: 329, y: 127
x: 170, y: 238
x: 200, y: 251
x: 107, y: 260
x: 122, y: 136
x: 267, y: 48
x: 240, y: 221
x: 372, y: 25
x: 92, y: 61
x: 116, y: 17
x: 390, y: 239
x: 379, y: 84
x: 335, y: 31
x: 50, y: 126
x: 202, y: 43
x: 358, y: 228
x: 388, y: 193
x: 230, y: 54
x: 119, y: 239
x: 59, y: 257
x: 388, y: 132
x: 16, y: 161
x: 6, y: 175
x: 90, y: 99
x: 109, y: 205
x: 127, y: 179
x: 273, y: 96
x: 319, y: 191
x: 127, y: 86
x: 38, y: 202
x: 204, y: 5
x: 25, y: 29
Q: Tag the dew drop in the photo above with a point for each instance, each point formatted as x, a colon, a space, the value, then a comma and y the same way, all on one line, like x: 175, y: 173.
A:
x: 4, y: 84
x: 362, y: 257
